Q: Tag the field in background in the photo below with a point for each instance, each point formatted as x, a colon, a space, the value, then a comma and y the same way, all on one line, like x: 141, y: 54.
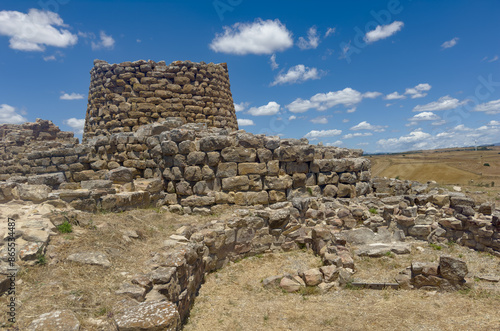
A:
x: 448, y: 167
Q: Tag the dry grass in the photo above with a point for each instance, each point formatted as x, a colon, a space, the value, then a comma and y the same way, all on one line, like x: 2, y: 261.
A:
x: 89, y: 290
x: 446, y: 167
x: 234, y: 299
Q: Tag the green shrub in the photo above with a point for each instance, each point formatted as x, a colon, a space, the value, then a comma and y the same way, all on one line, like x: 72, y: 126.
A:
x: 486, y: 164
x: 373, y: 210
x: 65, y: 227
x: 41, y: 259
x: 435, y: 246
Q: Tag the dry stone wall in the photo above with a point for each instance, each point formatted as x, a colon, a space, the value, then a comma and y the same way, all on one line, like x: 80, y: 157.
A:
x: 124, y: 96
x: 204, y: 166
x: 38, y: 148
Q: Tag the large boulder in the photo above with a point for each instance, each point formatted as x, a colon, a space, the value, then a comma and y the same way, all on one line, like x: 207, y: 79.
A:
x: 35, y: 193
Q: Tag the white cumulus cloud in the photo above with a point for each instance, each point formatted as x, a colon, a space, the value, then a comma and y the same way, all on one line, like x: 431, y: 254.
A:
x: 490, y: 108
x: 394, y: 96
x: 320, y: 120
x: 315, y: 134
x: 297, y: 74
x: 347, y: 97
x: 76, y: 124
x: 241, y: 106
x: 292, y: 117
x: 458, y: 136
x: 245, y: 122
x: 425, y: 116
x: 443, y: 103
x: 418, y: 91
x: 35, y: 30
x: 449, y: 43
x: 259, y: 37
x: 312, y: 40
x: 105, y: 41
x: 272, y: 108
x: 371, y: 95
x: 367, y: 126
x: 9, y: 115
x: 357, y: 134
x: 383, y: 31
x: 71, y: 96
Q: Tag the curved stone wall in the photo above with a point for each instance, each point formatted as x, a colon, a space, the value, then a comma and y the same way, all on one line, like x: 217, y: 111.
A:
x: 125, y: 96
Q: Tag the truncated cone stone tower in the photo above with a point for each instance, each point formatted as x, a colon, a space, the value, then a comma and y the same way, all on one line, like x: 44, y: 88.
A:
x: 125, y: 96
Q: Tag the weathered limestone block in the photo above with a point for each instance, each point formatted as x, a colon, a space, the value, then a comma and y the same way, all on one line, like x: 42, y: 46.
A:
x: 196, y: 158
x: 344, y: 190
x: 197, y: 201
x: 169, y: 148
x: 264, y: 155
x: 150, y: 316
x: 93, y: 258
x: 183, y: 188
x: 278, y: 183
x: 193, y: 173
x: 120, y: 175
x: 52, y: 180
x: 348, y: 178
x: 229, y: 169
x: 312, y: 277
x: 252, y: 168
x: 214, y: 143
x: 35, y: 193
x: 452, y: 269
x: 55, y: 320
x: 273, y: 168
x: 325, y: 178
x: 213, y: 158
x: 238, y: 154
x: 236, y: 183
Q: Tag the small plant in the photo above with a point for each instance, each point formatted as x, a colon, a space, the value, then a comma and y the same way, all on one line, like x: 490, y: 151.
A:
x: 41, y: 259
x: 309, y: 290
x: 451, y: 243
x: 349, y: 286
x: 397, y: 177
x: 310, y: 191
x: 65, y: 227
x: 460, y: 255
x: 486, y: 164
x: 435, y: 246
x: 102, y: 311
x: 373, y: 210
x: 389, y: 254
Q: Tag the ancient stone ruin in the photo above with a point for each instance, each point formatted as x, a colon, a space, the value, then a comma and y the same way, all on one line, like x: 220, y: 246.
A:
x: 167, y: 136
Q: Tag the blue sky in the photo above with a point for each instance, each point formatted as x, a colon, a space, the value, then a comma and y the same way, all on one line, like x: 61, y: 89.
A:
x: 384, y: 76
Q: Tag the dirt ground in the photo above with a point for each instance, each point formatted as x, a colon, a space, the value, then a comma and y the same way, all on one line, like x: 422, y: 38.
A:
x: 477, y: 172
x: 89, y: 290
x: 234, y: 298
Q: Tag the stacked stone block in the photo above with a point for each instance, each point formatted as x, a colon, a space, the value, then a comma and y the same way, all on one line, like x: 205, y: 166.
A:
x: 38, y: 148
x: 124, y: 96
x: 206, y: 166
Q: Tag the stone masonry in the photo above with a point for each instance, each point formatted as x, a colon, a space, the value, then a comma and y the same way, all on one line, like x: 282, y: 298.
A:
x: 124, y: 96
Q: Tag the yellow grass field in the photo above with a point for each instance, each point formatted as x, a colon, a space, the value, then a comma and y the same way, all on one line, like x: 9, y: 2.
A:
x: 463, y: 167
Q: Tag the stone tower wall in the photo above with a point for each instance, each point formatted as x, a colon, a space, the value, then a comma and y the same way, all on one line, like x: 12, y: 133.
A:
x: 124, y: 96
